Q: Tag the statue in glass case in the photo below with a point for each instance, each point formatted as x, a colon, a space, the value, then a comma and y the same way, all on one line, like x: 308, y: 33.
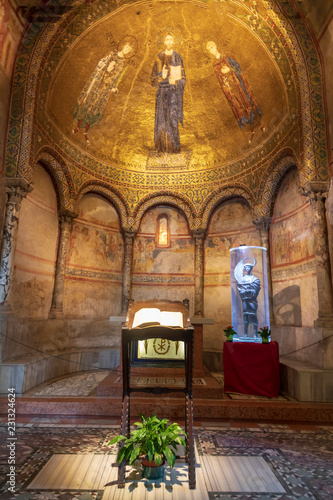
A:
x: 248, y: 287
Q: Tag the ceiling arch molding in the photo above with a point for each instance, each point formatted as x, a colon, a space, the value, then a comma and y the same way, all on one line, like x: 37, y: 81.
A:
x: 270, y: 184
x: 57, y: 169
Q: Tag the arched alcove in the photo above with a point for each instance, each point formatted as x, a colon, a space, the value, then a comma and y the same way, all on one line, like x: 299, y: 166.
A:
x: 94, y: 261
x: 230, y: 225
x: 36, y: 249
x: 292, y: 256
x: 163, y: 272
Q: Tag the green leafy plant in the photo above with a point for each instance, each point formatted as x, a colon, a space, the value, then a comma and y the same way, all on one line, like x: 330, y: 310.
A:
x: 229, y: 332
x: 264, y: 332
x: 153, y: 438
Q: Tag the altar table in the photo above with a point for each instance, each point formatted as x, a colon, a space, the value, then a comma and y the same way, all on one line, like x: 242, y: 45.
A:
x: 251, y: 368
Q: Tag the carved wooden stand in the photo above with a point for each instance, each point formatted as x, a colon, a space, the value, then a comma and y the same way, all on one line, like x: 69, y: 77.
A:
x: 185, y: 335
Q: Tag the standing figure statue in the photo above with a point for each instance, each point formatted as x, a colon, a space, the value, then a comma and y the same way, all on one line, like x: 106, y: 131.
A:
x: 248, y: 287
x: 168, y: 76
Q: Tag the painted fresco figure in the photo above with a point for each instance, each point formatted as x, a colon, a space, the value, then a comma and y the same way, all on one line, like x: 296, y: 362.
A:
x: 103, y: 82
x: 236, y: 89
x: 248, y: 287
x: 168, y: 76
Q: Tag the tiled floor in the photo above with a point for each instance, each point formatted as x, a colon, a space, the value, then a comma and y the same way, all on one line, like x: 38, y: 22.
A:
x: 235, y: 460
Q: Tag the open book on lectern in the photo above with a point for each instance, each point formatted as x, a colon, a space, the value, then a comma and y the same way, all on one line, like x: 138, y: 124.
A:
x: 149, y: 316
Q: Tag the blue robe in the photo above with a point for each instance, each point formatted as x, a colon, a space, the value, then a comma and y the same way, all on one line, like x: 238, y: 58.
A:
x: 169, y: 103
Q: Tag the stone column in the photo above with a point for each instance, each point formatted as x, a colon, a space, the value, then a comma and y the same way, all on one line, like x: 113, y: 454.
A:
x: 199, y: 273
x: 127, y: 271
x: 317, y: 193
x: 16, y: 189
x: 264, y: 224
x: 65, y: 228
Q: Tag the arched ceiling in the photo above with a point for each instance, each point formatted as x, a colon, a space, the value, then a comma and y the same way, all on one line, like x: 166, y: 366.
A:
x: 268, y: 74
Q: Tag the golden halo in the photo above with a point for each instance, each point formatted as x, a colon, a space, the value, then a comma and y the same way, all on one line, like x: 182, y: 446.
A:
x: 204, y: 43
x: 174, y: 32
x: 132, y: 41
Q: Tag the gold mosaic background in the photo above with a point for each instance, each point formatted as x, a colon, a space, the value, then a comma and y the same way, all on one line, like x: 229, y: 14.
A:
x: 210, y: 134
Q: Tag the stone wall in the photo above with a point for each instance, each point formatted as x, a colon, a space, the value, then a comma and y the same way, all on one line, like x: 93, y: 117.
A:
x: 295, y: 299
x: 163, y: 272
x: 94, y: 261
x: 230, y: 226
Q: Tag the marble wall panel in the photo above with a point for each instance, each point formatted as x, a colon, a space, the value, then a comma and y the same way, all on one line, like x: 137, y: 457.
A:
x: 295, y: 299
x: 36, y: 249
x: 163, y: 272
x: 94, y: 261
x: 230, y: 226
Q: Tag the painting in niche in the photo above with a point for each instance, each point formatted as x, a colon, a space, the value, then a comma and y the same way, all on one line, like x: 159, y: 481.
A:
x: 177, y: 258
x: 95, y: 240
x: 230, y: 226
x: 93, y: 247
x: 125, y: 133
x: 292, y: 228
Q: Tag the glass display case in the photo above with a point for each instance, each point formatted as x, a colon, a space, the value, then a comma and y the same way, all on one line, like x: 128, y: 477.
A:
x: 249, y: 292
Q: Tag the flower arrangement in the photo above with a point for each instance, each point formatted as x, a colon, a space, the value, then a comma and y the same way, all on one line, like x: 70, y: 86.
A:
x: 229, y: 332
x: 264, y: 333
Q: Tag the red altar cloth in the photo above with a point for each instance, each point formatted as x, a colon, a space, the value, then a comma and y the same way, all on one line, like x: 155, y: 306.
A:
x: 251, y: 368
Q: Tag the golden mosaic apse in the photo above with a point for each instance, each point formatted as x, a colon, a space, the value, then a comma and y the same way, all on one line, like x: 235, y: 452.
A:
x: 108, y: 95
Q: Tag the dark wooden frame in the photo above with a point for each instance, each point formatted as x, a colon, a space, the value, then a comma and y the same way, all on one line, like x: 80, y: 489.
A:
x: 185, y: 335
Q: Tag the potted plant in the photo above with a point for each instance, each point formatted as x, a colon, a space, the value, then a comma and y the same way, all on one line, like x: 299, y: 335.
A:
x: 154, y: 441
x: 229, y: 332
x: 264, y: 333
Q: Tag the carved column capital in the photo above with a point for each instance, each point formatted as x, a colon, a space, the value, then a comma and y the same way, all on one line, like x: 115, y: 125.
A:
x: 17, y: 189
x: 315, y: 191
x: 263, y: 223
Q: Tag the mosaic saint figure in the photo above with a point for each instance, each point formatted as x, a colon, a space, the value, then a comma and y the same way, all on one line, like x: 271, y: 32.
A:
x: 236, y: 89
x: 168, y: 76
x: 103, y: 82
x: 248, y: 287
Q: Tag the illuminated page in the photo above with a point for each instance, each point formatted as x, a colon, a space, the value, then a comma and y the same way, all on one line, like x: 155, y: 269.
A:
x: 172, y: 319
x: 146, y: 315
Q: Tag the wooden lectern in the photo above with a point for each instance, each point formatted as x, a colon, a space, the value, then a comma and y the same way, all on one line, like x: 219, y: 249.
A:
x: 145, y: 332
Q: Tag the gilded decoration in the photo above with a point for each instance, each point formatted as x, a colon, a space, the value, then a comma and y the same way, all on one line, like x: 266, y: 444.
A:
x: 181, y: 99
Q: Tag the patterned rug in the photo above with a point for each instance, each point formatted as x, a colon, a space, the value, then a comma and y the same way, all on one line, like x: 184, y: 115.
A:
x: 149, y: 381
x: 301, y: 460
x: 79, y: 385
